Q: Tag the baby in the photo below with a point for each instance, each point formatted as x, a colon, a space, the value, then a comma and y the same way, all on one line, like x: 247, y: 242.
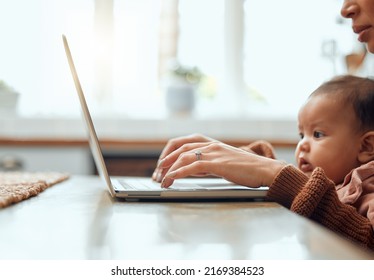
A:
x: 336, y: 127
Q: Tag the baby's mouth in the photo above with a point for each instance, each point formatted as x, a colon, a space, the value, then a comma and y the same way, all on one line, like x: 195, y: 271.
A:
x: 305, y: 166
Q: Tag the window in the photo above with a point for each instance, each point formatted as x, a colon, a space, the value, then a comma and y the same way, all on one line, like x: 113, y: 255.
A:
x: 31, y: 53
x: 114, y: 44
x: 290, y: 48
x: 268, y: 56
x: 263, y: 58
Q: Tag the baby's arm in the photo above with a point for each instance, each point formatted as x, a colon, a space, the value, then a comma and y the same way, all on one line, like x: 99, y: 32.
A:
x: 261, y: 147
x: 316, y: 198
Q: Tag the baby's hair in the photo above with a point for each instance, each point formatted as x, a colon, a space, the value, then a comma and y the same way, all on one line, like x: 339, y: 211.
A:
x: 355, y: 91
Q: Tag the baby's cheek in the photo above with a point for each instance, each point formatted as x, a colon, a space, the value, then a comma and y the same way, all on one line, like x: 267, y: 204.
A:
x: 334, y: 175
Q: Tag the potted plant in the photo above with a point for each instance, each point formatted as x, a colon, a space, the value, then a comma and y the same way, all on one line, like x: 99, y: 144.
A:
x: 8, y: 98
x: 182, y: 84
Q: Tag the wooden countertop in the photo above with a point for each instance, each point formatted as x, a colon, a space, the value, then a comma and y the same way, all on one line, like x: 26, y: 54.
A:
x: 77, y: 219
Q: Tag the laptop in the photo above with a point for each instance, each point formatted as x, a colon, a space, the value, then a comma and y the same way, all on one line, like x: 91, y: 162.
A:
x: 131, y: 188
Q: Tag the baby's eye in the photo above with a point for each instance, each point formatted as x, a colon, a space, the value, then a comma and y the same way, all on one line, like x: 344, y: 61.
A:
x: 301, y: 135
x: 318, y: 134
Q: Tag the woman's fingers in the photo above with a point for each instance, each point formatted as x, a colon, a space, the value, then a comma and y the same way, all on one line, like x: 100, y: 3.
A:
x: 173, y: 145
x: 187, y: 165
x: 190, y: 160
x: 167, y: 161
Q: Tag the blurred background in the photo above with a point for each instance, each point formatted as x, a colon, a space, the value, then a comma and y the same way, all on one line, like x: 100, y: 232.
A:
x: 154, y: 69
x: 258, y: 58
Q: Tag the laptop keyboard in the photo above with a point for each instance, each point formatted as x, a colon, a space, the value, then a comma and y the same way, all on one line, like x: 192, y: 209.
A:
x: 139, y: 184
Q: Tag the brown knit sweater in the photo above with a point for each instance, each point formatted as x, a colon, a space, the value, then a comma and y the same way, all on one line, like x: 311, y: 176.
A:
x: 315, y: 197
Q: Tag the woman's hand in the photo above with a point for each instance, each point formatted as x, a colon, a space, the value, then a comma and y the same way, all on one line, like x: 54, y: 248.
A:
x: 175, y: 144
x: 217, y: 159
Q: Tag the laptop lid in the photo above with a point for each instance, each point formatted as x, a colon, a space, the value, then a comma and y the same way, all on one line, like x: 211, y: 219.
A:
x: 93, y: 140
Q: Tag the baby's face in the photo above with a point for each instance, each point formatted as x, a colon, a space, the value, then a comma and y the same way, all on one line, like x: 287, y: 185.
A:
x: 329, y: 137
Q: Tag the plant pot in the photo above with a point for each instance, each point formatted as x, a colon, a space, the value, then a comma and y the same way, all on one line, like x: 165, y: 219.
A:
x: 8, y: 102
x: 181, y: 99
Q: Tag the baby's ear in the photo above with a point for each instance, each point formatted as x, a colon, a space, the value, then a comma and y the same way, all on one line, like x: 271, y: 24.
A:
x: 366, y: 153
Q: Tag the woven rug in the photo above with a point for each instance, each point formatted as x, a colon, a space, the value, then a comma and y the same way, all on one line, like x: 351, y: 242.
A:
x: 18, y: 186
